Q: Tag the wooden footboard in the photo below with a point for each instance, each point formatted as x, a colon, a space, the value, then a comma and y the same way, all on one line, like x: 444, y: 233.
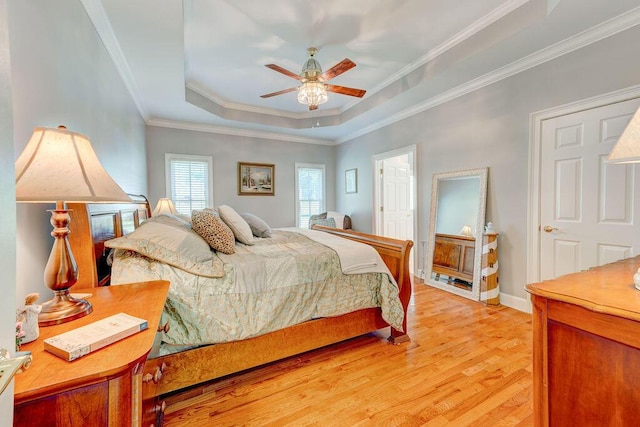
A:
x: 395, y: 253
x: 93, y: 224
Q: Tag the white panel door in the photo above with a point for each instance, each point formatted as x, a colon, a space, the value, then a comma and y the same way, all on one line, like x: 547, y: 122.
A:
x: 589, y: 210
x: 397, y: 213
x: 394, y: 195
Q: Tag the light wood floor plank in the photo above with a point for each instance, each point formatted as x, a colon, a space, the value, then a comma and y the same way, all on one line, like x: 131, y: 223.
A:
x: 466, y: 364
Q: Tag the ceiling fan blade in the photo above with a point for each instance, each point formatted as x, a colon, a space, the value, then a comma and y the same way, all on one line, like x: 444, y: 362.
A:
x: 345, y: 65
x: 280, y: 92
x: 346, y: 90
x: 279, y: 69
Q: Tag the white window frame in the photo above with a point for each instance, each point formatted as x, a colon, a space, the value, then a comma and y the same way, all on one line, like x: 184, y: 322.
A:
x: 169, y: 157
x: 324, y: 187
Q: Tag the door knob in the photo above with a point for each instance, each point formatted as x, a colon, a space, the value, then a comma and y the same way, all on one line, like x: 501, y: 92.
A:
x: 549, y: 229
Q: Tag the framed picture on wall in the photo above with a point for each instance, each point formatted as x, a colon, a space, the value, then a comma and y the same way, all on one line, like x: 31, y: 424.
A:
x: 351, y: 181
x: 256, y: 179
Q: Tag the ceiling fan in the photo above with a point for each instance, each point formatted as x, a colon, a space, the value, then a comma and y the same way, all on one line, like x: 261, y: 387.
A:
x: 314, y: 87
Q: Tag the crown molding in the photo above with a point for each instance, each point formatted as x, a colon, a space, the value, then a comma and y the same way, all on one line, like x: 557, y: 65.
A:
x: 599, y: 32
x: 101, y: 23
x: 223, y: 130
x: 255, y: 109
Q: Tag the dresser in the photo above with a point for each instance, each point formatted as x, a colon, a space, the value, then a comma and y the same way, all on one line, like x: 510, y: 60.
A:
x: 102, y: 388
x: 586, y: 347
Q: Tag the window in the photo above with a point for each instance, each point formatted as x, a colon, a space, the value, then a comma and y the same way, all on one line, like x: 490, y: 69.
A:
x: 189, y: 181
x: 309, y: 192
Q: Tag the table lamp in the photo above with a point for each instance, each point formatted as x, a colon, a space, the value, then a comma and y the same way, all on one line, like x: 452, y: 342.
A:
x: 466, y: 231
x: 60, y: 166
x: 627, y: 150
x: 164, y: 207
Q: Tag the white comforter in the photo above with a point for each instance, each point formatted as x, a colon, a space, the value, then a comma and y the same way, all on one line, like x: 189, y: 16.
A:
x: 354, y: 257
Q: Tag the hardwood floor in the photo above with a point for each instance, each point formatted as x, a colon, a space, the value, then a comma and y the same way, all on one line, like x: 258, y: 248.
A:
x: 467, y: 365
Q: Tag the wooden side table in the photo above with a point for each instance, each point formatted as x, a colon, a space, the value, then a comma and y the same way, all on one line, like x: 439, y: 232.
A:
x: 103, y: 387
x: 586, y: 347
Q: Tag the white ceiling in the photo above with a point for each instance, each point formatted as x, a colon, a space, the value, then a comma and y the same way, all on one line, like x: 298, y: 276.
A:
x: 199, y: 64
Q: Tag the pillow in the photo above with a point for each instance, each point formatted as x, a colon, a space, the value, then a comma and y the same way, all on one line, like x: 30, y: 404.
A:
x: 213, y: 230
x: 184, y: 218
x: 175, y: 220
x: 327, y: 222
x: 259, y: 228
x: 239, y: 226
x: 168, y: 241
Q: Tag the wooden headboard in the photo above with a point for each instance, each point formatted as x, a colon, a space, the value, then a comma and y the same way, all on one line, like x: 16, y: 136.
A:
x: 93, y: 224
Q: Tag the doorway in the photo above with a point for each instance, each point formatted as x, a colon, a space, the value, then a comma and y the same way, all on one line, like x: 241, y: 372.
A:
x: 395, y: 194
x: 584, y: 211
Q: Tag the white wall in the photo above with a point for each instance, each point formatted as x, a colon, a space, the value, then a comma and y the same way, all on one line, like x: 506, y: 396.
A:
x: 227, y: 151
x: 62, y: 74
x: 7, y: 213
x: 490, y: 127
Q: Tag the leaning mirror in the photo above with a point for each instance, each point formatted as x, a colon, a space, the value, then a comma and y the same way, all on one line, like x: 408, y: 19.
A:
x: 454, y: 251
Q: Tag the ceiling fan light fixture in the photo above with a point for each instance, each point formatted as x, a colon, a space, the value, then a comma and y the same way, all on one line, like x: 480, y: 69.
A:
x: 312, y: 93
x: 311, y: 69
x: 314, y: 87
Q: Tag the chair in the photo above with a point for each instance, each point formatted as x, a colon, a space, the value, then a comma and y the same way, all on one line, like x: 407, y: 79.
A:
x: 322, y: 219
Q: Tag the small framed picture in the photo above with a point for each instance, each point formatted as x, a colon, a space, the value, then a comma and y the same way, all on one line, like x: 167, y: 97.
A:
x: 256, y: 179
x: 351, y: 181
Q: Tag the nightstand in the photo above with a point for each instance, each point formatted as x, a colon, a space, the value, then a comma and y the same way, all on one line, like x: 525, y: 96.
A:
x: 103, y: 387
x: 586, y: 347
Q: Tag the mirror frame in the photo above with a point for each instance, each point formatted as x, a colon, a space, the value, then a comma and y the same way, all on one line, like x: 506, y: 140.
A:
x: 482, y: 174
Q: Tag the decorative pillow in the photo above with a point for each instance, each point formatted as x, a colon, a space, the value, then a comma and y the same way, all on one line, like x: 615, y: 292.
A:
x: 237, y: 224
x: 259, y: 228
x: 327, y: 222
x: 213, y: 230
x: 166, y: 240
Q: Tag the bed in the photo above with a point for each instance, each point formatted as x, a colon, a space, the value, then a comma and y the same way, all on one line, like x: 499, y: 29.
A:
x: 93, y: 225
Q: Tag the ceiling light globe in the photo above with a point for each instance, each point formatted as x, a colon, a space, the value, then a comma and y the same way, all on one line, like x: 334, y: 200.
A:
x: 312, y: 93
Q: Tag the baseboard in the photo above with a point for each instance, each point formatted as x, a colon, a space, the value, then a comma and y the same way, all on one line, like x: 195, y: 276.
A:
x: 518, y: 303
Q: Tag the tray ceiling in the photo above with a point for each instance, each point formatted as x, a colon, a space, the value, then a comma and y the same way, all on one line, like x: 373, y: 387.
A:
x: 197, y: 64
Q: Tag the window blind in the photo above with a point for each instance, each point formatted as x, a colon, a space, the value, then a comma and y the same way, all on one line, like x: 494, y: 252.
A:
x: 189, y: 184
x: 310, y: 193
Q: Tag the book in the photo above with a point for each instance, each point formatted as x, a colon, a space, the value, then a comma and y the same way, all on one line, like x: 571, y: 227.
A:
x: 79, y: 342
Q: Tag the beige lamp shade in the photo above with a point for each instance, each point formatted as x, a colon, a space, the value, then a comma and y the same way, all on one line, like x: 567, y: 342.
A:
x: 59, y: 165
x: 627, y: 149
x: 466, y: 231
x: 164, y: 207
